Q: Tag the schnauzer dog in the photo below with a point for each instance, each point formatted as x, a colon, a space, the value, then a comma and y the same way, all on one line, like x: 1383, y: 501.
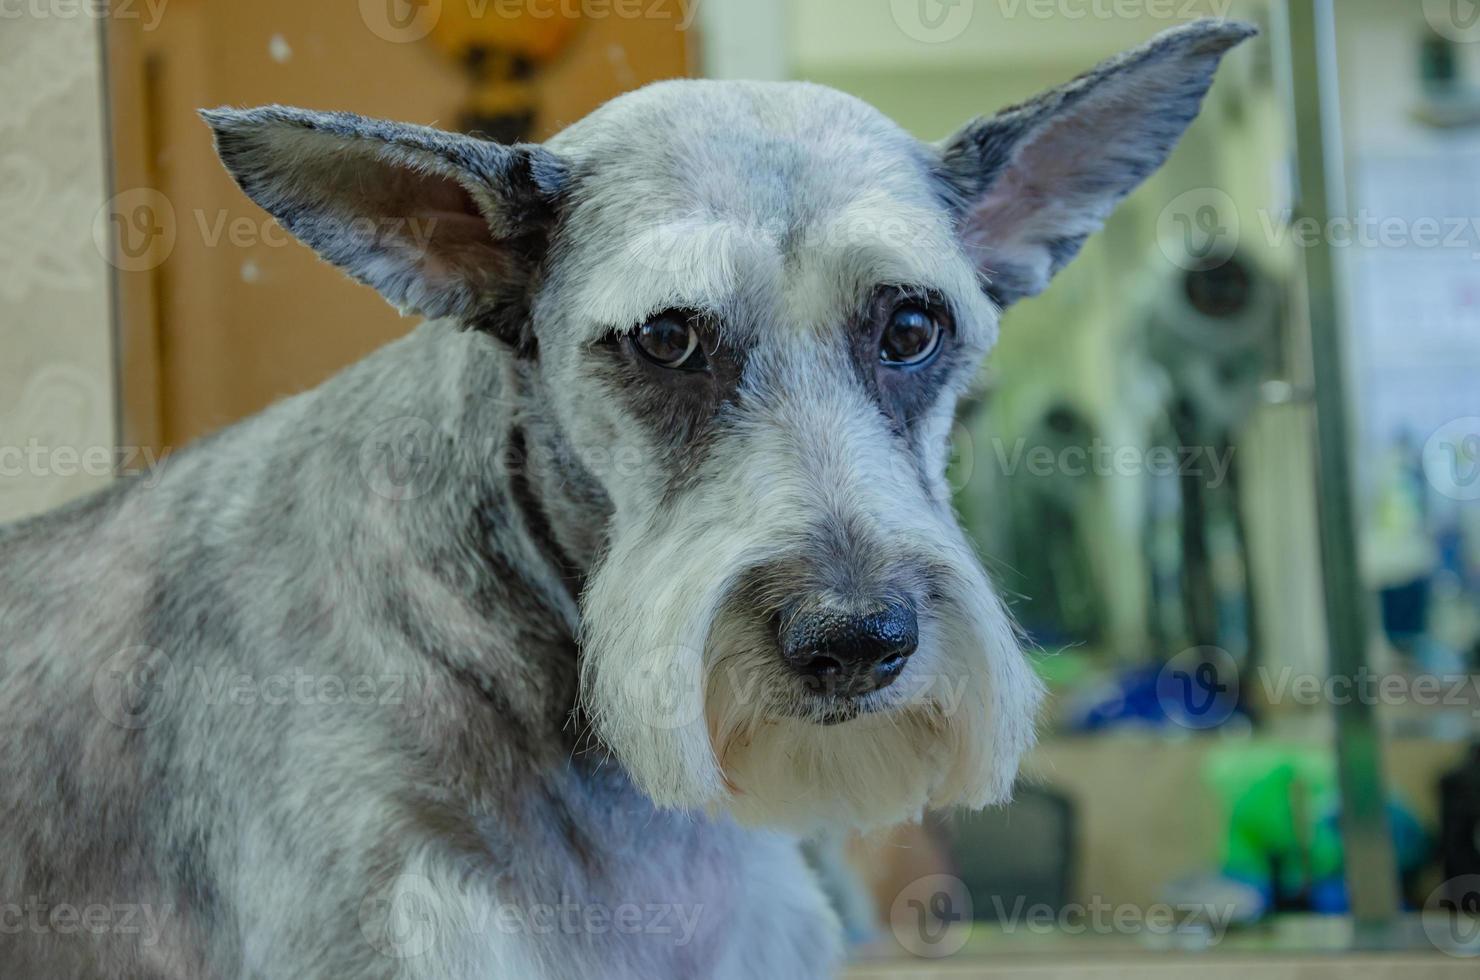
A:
x: 532, y: 644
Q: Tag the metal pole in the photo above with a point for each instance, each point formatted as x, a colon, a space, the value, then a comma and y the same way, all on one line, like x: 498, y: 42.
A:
x: 1371, y: 870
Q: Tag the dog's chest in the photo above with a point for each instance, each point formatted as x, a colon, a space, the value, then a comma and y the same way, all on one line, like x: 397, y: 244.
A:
x: 613, y: 887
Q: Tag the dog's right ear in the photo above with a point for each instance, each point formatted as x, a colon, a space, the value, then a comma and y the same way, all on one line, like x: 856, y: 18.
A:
x: 443, y: 225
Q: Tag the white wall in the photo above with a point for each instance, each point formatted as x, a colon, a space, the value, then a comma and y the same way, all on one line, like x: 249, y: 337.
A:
x: 56, y: 352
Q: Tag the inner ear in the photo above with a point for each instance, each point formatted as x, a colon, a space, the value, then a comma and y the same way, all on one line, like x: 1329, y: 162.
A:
x: 458, y: 240
x: 442, y: 224
x: 370, y: 198
x: 1032, y: 183
x: 447, y: 207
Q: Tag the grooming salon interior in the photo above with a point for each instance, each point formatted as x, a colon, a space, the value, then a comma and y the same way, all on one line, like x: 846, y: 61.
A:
x: 1225, y: 470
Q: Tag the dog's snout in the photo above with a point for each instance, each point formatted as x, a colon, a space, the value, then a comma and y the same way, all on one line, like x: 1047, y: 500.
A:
x: 848, y: 653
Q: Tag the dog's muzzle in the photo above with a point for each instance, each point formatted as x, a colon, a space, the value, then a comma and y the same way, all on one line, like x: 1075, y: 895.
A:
x: 843, y: 655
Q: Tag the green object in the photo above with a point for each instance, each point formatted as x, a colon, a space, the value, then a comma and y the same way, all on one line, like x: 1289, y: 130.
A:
x: 1278, y: 800
x: 1064, y: 670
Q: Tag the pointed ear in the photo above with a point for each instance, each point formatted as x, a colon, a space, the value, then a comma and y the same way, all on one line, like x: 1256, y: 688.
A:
x: 443, y: 225
x: 1032, y: 183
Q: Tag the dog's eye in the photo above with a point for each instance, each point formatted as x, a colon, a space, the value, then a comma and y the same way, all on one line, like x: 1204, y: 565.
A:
x: 670, y: 340
x: 912, y: 336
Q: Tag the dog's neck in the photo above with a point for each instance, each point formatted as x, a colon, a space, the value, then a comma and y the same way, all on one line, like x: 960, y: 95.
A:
x: 508, y: 527
x: 564, y: 507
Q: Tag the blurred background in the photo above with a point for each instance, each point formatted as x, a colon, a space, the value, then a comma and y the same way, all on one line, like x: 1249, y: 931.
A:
x: 1227, y: 467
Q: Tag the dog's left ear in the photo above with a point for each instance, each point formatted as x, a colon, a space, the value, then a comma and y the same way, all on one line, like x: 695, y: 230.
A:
x: 1032, y: 183
x: 442, y: 224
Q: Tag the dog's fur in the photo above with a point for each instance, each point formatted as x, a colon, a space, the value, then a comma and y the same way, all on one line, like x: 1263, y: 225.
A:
x: 465, y: 663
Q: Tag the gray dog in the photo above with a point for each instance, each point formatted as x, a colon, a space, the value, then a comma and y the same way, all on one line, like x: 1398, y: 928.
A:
x: 532, y: 644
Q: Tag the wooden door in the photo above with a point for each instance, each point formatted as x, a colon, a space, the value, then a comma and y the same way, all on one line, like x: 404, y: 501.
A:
x: 223, y: 313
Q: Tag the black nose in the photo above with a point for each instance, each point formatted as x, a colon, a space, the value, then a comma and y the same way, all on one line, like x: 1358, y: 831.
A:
x: 847, y: 654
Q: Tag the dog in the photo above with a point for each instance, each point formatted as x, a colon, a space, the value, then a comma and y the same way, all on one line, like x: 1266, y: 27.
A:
x: 533, y: 644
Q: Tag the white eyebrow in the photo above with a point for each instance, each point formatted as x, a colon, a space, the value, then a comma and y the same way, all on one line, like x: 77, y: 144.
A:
x: 710, y: 264
x: 878, y: 240
x: 877, y: 230
x: 699, y: 263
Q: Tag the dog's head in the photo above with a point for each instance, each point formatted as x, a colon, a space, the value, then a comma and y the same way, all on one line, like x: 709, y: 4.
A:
x: 750, y: 310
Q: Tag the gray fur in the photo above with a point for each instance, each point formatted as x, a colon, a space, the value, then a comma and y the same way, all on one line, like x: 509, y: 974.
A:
x: 535, y: 553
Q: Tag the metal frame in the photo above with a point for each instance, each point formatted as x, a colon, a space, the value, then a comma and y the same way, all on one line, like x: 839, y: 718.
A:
x: 1371, y: 869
